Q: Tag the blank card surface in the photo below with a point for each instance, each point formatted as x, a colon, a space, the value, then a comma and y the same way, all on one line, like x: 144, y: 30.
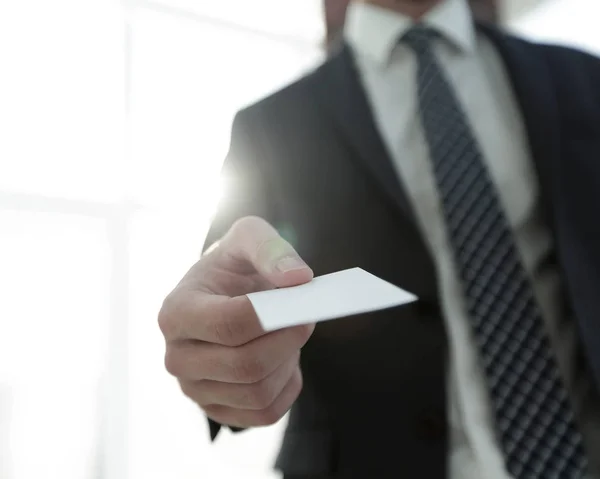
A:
x: 331, y: 296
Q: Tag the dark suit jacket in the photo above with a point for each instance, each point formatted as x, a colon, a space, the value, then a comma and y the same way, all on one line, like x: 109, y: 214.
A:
x: 310, y: 161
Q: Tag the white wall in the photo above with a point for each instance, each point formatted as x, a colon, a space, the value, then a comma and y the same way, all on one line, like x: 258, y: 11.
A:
x: 114, y: 120
x: 568, y: 22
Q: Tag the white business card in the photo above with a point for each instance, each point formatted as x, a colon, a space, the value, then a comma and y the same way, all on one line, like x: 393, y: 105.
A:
x: 331, y: 296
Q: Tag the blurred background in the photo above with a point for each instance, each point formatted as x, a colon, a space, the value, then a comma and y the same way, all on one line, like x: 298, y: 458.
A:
x: 114, y: 120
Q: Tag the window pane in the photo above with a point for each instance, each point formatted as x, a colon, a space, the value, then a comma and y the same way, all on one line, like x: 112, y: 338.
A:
x: 294, y: 19
x: 567, y: 22
x: 62, y: 97
x: 53, y: 330
x: 189, y: 78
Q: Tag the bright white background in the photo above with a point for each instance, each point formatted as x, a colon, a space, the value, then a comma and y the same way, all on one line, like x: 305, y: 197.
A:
x: 114, y: 119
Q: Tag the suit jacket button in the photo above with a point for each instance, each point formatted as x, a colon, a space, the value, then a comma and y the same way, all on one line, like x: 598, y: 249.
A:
x: 431, y: 426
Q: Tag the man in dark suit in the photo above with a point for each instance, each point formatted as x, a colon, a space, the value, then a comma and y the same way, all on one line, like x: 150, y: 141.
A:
x: 458, y: 163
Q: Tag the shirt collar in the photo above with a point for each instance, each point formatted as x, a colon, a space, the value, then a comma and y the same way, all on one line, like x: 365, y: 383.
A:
x: 374, y: 31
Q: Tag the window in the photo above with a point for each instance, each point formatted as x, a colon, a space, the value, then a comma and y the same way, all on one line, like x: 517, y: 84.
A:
x: 563, y: 22
x: 188, y: 79
x: 115, y: 119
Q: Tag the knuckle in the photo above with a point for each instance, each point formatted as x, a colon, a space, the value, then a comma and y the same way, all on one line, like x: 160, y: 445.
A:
x: 297, y: 383
x: 198, y: 392
x: 294, y: 386
x: 273, y: 413
x: 214, y: 412
x: 269, y: 416
x: 255, y: 233
x: 189, y: 389
x: 304, y: 332
x: 296, y: 360
x: 248, y: 224
x: 165, y: 316
x: 259, y: 395
x: 229, y: 331
x: 173, y: 363
x: 248, y: 369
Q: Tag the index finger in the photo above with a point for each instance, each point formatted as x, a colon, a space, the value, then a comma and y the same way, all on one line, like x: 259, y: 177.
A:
x: 195, y: 315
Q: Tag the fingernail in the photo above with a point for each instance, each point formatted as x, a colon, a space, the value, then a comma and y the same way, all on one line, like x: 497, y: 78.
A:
x: 290, y: 263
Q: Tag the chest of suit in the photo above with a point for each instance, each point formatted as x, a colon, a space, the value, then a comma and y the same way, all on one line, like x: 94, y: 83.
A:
x: 338, y: 218
x: 341, y: 213
x: 344, y: 205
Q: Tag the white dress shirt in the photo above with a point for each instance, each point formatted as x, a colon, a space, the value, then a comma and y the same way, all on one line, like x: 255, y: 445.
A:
x: 388, y: 72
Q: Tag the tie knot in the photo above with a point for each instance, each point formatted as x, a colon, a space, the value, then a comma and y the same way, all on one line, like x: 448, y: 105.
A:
x: 419, y: 38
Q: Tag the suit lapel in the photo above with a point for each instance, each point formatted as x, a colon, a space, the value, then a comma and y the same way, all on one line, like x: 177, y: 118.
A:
x: 343, y: 96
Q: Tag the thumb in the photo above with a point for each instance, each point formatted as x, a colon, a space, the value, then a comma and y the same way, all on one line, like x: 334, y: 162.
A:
x: 255, y: 240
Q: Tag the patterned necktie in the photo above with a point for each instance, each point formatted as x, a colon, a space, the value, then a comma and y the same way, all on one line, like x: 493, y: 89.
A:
x: 534, y: 417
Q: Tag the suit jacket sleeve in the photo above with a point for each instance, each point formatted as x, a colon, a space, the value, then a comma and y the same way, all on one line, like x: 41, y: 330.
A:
x: 247, y: 192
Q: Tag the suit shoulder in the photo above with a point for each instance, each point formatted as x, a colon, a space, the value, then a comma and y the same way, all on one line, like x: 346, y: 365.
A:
x: 570, y: 56
x: 549, y: 50
x: 567, y: 65
x: 575, y: 73
x: 281, y: 100
x: 574, y: 70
